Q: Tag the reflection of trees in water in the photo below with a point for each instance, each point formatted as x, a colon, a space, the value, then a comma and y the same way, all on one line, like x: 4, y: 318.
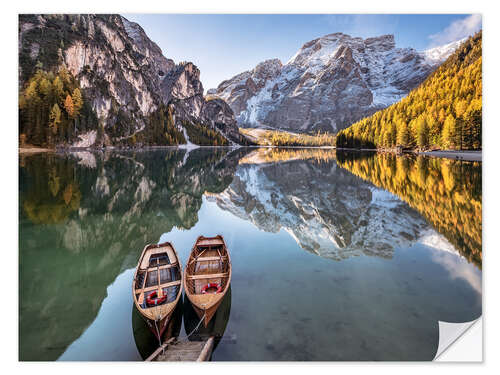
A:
x: 446, y: 192
x: 275, y: 155
x: 69, y: 257
x: 328, y: 211
x: 50, y: 198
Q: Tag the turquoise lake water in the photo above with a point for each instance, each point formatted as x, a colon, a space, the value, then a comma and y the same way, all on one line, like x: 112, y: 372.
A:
x: 335, y: 257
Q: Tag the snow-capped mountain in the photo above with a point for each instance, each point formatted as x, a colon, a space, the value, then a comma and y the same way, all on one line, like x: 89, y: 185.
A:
x: 329, y: 83
x: 437, y: 55
x: 327, y: 210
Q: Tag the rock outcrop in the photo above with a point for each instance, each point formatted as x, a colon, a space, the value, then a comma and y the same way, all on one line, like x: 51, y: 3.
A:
x: 330, y: 83
x: 121, y: 71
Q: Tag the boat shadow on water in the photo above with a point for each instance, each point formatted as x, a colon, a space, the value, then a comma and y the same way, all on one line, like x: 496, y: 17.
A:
x: 147, y: 343
x: 217, y: 325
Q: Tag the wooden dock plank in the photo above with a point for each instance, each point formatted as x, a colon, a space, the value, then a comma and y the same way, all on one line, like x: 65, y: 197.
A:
x: 183, y: 351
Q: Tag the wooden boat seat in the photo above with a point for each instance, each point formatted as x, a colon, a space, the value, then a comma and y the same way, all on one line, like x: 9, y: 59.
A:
x: 210, y: 242
x: 158, y: 250
x: 210, y: 259
x: 208, y: 276
x: 156, y: 287
x: 162, y: 267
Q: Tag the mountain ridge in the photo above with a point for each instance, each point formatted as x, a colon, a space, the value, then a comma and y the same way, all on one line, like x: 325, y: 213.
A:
x: 445, y: 111
x: 330, y: 83
x: 124, y: 77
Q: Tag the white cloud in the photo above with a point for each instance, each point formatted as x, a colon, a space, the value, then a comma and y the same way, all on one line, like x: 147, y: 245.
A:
x: 457, y: 30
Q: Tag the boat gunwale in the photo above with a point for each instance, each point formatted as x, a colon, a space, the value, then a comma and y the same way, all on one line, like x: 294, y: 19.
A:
x: 168, y: 307
x: 219, y: 296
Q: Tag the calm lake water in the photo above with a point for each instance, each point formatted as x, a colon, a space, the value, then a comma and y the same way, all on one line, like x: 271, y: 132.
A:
x: 336, y: 256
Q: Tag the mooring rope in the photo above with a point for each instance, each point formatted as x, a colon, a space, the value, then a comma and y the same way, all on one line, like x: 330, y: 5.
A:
x: 158, y: 333
x: 201, y: 320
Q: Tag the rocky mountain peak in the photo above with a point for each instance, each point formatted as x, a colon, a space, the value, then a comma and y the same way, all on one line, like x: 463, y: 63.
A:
x: 182, y: 82
x: 120, y: 70
x: 381, y: 43
x: 267, y: 69
x: 330, y: 83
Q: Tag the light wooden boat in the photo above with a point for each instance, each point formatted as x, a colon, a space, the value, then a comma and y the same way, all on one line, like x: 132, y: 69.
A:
x: 156, y: 297
x: 207, y: 276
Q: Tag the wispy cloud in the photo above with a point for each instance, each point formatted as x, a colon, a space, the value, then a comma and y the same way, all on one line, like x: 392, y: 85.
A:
x: 457, y: 30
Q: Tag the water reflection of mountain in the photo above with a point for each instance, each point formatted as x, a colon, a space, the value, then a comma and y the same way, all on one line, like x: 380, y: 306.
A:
x: 333, y: 212
x: 448, y: 193
x: 85, y: 218
x: 328, y: 210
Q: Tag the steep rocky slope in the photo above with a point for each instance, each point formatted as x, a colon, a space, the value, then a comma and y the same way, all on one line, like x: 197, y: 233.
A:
x: 329, y: 83
x: 121, y: 71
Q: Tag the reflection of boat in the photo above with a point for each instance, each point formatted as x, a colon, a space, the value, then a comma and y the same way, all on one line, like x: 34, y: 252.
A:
x: 207, y: 275
x: 157, y: 285
x: 145, y: 343
x: 215, y: 327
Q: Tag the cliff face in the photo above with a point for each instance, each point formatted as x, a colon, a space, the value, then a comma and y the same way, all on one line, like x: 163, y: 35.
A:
x: 330, y: 83
x: 121, y: 71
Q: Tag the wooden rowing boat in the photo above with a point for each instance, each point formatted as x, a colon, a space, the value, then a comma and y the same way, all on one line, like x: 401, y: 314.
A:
x: 207, y: 275
x: 156, y: 297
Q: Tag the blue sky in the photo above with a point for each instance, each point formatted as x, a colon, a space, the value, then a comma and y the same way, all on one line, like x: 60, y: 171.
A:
x: 223, y: 45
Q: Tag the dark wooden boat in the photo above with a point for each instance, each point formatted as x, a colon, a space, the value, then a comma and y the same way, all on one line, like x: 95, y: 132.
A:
x: 157, y: 285
x: 207, y: 275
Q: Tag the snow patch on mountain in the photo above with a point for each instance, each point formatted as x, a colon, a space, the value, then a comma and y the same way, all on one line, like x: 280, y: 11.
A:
x: 329, y: 83
x: 431, y: 238
x: 326, y: 210
x: 188, y: 145
x: 437, y: 55
x: 384, y: 198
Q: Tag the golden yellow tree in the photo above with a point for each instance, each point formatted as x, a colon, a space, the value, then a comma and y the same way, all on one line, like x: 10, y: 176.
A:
x: 77, y: 101
x: 69, y: 106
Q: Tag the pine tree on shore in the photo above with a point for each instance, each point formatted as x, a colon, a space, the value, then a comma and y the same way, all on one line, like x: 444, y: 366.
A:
x: 444, y: 111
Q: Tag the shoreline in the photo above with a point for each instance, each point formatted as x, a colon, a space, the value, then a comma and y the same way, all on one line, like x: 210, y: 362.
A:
x: 447, y: 154
x: 455, y: 155
x: 464, y: 155
x: 34, y: 150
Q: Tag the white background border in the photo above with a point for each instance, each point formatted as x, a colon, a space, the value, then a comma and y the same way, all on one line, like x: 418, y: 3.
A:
x: 491, y: 136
